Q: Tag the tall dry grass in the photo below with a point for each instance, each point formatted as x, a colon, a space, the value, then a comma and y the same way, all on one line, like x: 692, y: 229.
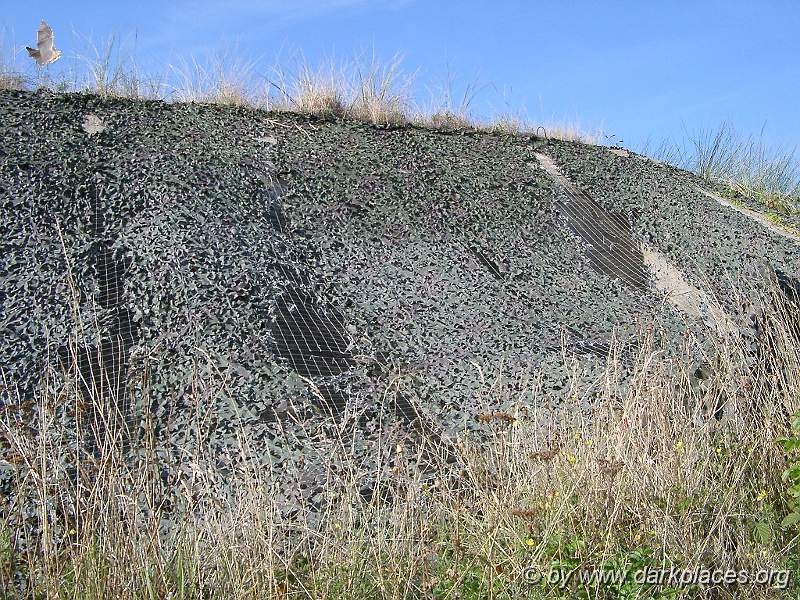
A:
x: 745, y: 165
x: 635, y: 472
x: 367, y: 88
x: 109, y: 69
x: 11, y: 76
x: 448, y: 109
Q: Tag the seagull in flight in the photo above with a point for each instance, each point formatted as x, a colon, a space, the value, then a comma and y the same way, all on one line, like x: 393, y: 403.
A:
x: 45, y: 51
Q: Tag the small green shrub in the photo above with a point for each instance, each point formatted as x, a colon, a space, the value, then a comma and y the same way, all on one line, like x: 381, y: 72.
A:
x: 622, y: 574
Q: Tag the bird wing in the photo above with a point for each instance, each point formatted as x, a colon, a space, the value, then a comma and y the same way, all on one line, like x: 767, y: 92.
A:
x: 44, y: 39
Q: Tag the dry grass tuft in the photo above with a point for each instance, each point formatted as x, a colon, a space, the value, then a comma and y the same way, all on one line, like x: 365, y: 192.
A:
x: 371, y: 92
x: 12, y: 81
x: 573, y: 132
x: 446, y: 121
x: 382, y: 93
x: 112, y: 72
x: 510, y: 123
x: 745, y: 166
x: 448, y: 111
x: 11, y: 77
x: 224, y: 79
x: 321, y: 91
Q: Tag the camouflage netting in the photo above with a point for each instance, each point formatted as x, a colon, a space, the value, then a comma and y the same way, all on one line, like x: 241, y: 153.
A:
x: 307, y: 281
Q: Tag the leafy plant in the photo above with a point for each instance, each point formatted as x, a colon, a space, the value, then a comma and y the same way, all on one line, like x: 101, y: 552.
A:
x: 614, y: 576
x: 775, y: 218
x: 791, y: 475
x: 8, y: 559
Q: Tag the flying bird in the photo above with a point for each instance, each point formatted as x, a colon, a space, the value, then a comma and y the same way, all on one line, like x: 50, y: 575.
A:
x: 45, y: 51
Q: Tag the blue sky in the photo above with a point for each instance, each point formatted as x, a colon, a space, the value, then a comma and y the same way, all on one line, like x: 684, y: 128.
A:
x: 638, y: 70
